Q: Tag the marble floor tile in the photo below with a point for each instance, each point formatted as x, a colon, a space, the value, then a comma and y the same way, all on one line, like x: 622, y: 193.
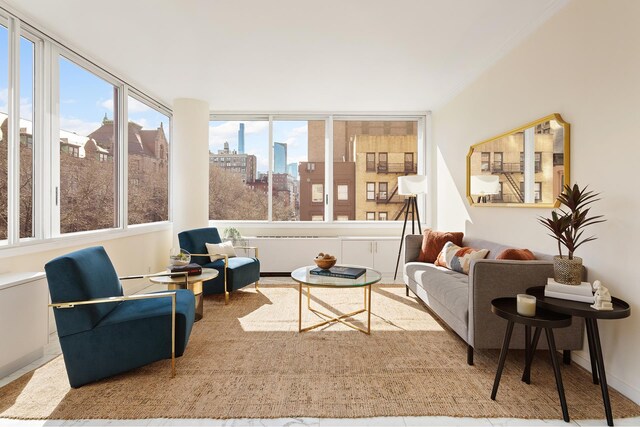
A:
x: 378, y: 421
x: 445, y: 421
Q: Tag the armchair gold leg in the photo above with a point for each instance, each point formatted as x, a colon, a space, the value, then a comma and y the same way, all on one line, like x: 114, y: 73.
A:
x: 257, y: 283
x: 173, y: 336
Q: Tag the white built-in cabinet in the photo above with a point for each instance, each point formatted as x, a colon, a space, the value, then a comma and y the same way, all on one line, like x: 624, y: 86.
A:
x: 378, y: 253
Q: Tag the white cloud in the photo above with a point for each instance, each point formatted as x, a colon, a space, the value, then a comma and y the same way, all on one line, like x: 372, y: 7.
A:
x: 78, y: 126
x: 136, y: 106
x: 108, y: 104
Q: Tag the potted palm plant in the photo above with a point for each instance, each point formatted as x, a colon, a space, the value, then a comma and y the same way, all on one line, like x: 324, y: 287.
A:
x: 566, y: 226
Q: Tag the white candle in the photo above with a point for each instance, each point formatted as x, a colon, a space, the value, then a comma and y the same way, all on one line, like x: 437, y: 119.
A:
x: 526, y: 305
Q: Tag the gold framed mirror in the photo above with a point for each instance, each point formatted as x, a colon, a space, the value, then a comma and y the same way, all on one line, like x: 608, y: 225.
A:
x: 524, y: 167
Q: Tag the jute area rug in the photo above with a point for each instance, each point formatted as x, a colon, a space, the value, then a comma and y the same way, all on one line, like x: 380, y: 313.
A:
x: 247, y: 360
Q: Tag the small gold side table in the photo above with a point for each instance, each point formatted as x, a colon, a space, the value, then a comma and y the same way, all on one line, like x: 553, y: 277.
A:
x: 194, y: 284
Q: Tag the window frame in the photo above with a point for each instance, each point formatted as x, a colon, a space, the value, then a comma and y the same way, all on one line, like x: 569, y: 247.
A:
x: 425, y: 147
x: 45, y: 128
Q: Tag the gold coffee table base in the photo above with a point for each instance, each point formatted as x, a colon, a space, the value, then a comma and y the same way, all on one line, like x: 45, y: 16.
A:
x: 332, y: 318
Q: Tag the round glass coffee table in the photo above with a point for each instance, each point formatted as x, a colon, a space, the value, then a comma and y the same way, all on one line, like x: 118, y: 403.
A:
x: 193, y: 283
x: 304, y: 278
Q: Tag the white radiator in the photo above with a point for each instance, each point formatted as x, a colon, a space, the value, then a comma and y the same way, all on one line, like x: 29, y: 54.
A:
x: 285, y: 254
x: 23, y: 319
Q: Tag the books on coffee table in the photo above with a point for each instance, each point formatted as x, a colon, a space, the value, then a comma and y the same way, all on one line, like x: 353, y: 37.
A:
x: 339, y: 271
x: 582, y: 292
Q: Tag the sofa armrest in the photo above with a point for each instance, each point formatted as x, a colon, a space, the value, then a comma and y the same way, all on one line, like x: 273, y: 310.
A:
x: 412, y: 246
x: 489, y: 279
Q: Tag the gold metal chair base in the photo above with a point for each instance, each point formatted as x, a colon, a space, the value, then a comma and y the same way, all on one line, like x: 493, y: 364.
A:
x: 332, y: 318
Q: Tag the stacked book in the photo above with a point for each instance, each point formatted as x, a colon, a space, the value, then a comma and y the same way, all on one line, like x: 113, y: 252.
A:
x: 582, y: 292
x: 192, y: 269
x: 339, y: 271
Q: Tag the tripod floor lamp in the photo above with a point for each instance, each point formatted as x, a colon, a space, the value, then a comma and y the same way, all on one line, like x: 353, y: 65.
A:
x: 410, y: 186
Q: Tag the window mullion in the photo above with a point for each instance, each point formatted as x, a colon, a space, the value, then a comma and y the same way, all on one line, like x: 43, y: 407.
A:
x: 122, y: 196
x: 328, y: 170
x: 13, y: 152
x: 270, y: 173
x: 53, y: 148
x: 40, y: 135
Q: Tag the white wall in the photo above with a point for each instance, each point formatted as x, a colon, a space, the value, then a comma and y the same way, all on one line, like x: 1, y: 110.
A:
x: 137, y: 254
x: 584, y: 63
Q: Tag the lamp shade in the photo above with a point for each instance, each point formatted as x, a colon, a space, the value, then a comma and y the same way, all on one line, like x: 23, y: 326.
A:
x: 482, y: 185
x: 412, y: 184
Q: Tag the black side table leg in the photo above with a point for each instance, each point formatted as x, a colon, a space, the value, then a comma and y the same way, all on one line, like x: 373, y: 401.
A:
x: 601, y: 374
x: 503, y: 357
x: 556, y: 369
x: 526, y: 375
x: 592, y: 350
x: 407, y: 290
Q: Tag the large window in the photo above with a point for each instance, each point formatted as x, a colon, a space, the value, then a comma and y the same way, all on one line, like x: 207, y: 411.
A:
x: 239, y: 170
x: 22, y: 142
x: 293, y: 180
x: 72, y: 181
x: 4, y: 142
x: 148, y: 158
x: 88, y: 128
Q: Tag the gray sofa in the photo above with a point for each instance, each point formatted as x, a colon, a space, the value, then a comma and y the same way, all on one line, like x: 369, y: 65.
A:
x: 464, y: 302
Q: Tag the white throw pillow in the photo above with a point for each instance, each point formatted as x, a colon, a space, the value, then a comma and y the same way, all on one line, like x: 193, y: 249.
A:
x: 220, y: 248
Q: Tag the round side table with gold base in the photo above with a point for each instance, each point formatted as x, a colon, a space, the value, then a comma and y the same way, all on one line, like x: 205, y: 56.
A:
x: 194, y: 284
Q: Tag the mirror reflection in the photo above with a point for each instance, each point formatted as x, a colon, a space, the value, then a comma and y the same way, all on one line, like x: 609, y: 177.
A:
x: 525, y: 166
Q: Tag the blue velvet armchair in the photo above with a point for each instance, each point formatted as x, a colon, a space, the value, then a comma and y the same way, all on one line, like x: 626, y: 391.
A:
x: 235, y: 272
x: 101, y: 331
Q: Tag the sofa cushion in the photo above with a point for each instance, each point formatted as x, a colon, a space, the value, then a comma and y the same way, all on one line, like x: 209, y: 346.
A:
x: 516, y: 255
x: 433, y: 242
x: 216, y: 250
x: 449, y: 287
x: 459, y: 258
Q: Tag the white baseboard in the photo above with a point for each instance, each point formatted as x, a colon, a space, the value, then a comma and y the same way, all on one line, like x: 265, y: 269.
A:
x: 21, y: 362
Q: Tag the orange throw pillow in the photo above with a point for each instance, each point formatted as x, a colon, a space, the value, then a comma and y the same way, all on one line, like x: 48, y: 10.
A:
x: 433, y: 242
x: 517, y: 255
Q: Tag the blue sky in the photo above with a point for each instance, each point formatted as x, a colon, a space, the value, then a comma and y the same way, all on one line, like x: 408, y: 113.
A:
x: 84, y: 97
x: 256, y: 138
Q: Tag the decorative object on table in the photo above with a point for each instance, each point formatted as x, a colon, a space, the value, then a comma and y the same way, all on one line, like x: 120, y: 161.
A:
x: 233, y: 235
x: 602, y: 297
x: 192, y: 269
x: 567, y: 226
x: 339, y: 271
x: 581, y: 293
x: 517, y: 255
x: 410, y: 186
x: 484, y: 185
x: 178, y: 257
x: 325, y: 261
x: 526, y: 305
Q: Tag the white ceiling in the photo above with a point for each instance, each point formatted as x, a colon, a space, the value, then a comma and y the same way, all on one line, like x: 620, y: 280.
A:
x: 293, y: 55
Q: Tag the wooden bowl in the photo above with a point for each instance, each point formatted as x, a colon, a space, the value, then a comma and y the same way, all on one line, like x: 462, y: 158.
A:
x: 325, y: 263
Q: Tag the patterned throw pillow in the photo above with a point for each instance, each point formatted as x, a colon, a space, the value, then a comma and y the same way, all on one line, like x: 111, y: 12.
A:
x: 459, y: 259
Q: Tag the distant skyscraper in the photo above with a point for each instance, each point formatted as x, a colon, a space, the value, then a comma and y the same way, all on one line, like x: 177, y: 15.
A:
x: 292, y: 169
x: 279, y: 157
x: 241, y: 139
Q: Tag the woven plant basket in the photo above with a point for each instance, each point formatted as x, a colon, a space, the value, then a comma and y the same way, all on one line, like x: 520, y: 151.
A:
x: 567, y: 271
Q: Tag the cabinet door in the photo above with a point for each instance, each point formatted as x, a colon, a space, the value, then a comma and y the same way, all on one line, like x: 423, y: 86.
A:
x: 357, y: 252
x: 386, y: 256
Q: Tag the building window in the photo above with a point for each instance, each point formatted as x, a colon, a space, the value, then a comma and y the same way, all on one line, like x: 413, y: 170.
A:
x: 497, y: 162
x: 409, y: 166
x: 371, y: 190
x: 371, y: 216
x: 537, y: 191
x: 382, y: 191
x: 485, y: 161
x: 150, y: 129
x: 88, y: 190
x: 342, y: 217
x: 382, y: 162
x: 382, y: 216
x: 538, y: 161
x: 371, y: 162
x: 317, y: 193
x: 317, y: 218
x: 343, y: 192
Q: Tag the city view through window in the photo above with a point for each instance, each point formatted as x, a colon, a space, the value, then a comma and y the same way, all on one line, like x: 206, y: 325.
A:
x: 368, y: 156
x: 88, y: 143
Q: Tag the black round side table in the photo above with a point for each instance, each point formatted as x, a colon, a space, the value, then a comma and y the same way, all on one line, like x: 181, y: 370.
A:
x: 547, y: 320
x: 581, y: 309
